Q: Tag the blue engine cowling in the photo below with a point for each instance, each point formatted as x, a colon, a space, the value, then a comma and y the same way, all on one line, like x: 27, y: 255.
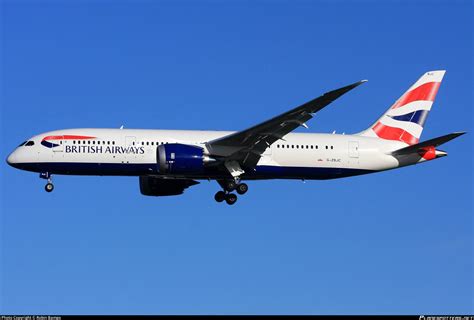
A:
x: 180, y: 158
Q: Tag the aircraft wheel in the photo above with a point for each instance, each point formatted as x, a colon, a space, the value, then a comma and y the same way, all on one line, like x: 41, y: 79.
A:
x: 230, y: 198
x: 230, y: 185
x: 220, y: 196
x: 49, y: 187
x: 242, y: 188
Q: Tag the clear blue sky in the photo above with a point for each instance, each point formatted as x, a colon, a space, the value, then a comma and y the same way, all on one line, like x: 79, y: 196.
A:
x: 393, y: 242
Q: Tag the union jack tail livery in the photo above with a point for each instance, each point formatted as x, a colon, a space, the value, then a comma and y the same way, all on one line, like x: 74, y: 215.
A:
x: 405, y: 119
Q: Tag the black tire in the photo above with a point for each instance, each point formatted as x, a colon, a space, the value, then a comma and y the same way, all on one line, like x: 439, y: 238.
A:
x: 242, y: 188
x: 49, y: 187
x: 230, y: 185
x: 230, y: 198
x: 219, y: 196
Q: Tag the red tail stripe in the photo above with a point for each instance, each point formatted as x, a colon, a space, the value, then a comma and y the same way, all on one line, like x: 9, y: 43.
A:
x: 425, y: 92
x: 391, y: 133
x: 67, y: 137
x: 428, y: 153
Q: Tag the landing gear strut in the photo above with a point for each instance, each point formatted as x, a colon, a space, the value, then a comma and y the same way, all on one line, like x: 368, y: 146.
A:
x: 49, y: 186
x: 229, y: 186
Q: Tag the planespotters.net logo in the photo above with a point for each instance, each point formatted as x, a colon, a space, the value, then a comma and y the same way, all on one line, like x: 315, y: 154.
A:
x: 446, y: 318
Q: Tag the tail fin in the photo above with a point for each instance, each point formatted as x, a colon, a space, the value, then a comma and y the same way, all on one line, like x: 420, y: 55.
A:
x: 405, y: 119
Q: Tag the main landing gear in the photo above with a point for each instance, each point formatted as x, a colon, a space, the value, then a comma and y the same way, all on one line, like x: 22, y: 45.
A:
x: 229, y: 186
x: 49, y: 186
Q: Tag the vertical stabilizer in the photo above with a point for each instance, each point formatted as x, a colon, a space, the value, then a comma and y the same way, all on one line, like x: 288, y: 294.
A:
x: 405, y: 119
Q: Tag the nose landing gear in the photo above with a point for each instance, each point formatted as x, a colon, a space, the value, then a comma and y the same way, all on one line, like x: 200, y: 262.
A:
x: 229, y: 186
x: 49, y: 186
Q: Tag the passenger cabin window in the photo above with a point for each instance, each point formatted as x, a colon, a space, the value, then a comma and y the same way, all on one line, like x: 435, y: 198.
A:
x: 29, y: 143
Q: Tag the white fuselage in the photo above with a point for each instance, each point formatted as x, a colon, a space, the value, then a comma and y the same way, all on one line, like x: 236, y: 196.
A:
x: 134, y: 152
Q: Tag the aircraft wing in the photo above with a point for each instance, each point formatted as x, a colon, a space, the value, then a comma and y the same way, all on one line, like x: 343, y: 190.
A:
x: 244, y: 148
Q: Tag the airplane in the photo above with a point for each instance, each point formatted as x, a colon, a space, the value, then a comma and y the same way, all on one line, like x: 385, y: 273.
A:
x: 169, y: 161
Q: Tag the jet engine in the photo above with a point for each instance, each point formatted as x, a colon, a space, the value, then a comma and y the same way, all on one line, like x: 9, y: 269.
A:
x: 153, y: 186
x: 176, y: 158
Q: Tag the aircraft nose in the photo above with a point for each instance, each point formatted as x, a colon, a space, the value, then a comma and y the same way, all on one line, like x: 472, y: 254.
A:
x: 11, y: 160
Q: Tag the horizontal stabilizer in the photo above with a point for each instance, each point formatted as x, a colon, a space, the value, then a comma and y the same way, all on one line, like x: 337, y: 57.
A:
x: 428, y: 143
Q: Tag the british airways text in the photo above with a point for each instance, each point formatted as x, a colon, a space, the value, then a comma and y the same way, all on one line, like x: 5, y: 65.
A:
x: 102, y: 149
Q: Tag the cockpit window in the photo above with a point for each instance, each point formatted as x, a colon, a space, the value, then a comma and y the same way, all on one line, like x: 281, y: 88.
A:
x: 30, y: 143
x: 21, y: 144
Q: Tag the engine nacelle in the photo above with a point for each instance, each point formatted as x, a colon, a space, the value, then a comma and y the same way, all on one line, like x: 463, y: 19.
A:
x: 152, y: 186
x: 180, y: 158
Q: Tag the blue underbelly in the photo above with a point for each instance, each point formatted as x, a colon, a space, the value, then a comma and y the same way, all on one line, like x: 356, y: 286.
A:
x: 139, y: 169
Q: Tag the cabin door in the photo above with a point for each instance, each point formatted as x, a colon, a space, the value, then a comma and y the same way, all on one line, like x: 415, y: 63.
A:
x: 59, y: 142
x: 353, y: 152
